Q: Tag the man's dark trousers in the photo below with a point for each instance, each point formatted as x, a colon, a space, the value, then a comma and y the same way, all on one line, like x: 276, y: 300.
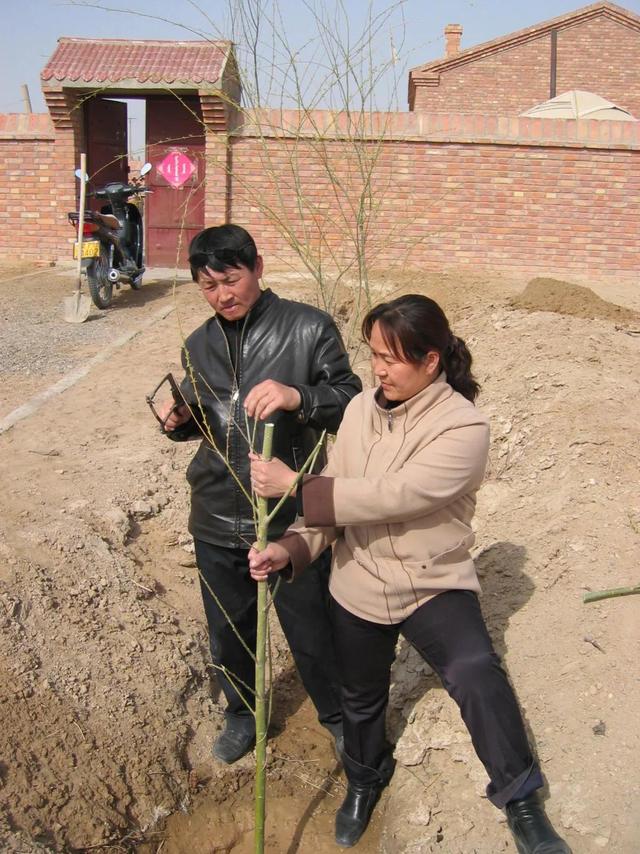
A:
x: 303, y: 610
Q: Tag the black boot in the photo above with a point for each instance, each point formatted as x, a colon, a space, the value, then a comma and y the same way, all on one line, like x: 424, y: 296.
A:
x: 363, y: 792
x: 532, y: 830
x: 236, y: 739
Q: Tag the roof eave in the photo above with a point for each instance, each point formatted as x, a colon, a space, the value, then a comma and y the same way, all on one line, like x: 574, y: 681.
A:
x: 128, y: 84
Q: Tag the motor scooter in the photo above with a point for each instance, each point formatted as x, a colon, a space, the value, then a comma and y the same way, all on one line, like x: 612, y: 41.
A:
x: 112, y: 245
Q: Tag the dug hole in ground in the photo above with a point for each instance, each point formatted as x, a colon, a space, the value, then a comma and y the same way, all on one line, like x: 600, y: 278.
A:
x: 108, y: 704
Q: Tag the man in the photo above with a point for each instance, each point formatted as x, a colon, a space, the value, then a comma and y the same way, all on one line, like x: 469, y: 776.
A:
x: 260, y: 357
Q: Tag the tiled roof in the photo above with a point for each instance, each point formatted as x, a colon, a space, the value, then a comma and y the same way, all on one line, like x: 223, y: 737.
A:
x: 113, y: 60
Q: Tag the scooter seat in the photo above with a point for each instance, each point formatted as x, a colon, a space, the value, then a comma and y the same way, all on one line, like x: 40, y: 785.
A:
x: 109, y: 220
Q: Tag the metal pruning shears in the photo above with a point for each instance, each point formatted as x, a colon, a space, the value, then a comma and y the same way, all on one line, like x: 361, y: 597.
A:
x: 178, y: 400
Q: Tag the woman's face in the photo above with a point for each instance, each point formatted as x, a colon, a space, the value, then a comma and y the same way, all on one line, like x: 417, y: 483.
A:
x: 400, y: 380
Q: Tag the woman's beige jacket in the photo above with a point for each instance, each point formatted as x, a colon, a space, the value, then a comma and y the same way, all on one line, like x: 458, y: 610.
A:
x: 396, y: 501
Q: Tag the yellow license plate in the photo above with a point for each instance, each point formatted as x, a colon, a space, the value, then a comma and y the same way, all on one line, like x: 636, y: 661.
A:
x: 90, y: 249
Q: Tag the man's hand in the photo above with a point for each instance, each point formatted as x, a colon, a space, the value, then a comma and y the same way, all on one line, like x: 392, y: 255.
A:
x: 267, y: 396
x: 270, y: 479
x: 273, y: 558
x: 177, y: 418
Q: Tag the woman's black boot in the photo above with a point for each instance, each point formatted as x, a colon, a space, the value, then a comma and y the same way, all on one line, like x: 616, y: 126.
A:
x: 363, y: 792
x: 532, y: 831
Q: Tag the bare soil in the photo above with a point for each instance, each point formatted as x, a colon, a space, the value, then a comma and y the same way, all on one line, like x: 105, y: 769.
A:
x: 108, y: 704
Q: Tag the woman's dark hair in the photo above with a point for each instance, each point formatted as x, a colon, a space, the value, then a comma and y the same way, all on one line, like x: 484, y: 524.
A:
x: 221, y: 247
x: 414, y: 325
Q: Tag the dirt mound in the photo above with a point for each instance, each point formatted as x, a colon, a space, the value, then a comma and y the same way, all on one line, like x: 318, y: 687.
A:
x: 543, y: 294
x: 106, y: 700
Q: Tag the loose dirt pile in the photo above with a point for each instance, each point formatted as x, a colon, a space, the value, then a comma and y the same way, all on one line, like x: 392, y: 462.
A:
x: 108, y: 704
x: 573, y: 300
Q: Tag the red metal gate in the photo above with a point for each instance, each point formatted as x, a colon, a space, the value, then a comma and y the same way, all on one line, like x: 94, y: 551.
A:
x: 174, y: 212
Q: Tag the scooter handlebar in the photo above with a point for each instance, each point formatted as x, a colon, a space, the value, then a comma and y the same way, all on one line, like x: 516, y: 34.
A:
x: 120, y: 189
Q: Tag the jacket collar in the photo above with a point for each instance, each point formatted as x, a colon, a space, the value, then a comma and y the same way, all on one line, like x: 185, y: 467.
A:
x: 264, y: 302
x: 410, y: 411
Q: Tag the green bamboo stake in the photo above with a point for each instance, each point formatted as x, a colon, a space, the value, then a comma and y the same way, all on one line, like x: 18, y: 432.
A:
x: 261, y: 654
x: 597, y: 595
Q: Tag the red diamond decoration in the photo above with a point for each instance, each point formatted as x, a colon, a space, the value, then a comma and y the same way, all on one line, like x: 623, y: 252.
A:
x: 176, y: 168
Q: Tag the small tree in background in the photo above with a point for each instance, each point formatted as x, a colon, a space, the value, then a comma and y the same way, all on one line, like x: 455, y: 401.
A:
x: 312, y: 108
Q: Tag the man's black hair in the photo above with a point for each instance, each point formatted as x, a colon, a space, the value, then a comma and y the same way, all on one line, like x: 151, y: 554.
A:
x: 221, y: 247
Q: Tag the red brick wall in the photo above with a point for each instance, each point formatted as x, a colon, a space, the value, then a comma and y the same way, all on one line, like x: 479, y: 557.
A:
x: 37, y: 188
x: 521, y: 196
x: 600, y: 55
x: 503, y: 198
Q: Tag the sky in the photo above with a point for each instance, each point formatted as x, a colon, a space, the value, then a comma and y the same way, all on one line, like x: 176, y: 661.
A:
x: 30, y: 29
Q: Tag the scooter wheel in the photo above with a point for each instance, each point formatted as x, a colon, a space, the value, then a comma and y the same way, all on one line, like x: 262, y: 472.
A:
x: 100, y: 288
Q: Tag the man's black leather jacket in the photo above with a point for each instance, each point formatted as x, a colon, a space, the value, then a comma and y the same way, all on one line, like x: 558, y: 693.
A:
x: 291, y: 343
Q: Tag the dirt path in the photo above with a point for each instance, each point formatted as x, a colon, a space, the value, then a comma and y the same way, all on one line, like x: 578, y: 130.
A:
x: 107, y: 702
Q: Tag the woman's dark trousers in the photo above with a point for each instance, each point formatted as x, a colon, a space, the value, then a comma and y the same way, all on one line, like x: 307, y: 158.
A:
x: 303, y: 608
x: 450, y: 634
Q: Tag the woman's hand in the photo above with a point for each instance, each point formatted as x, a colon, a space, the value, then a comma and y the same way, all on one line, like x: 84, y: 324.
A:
x: 272, y: 559
x: 270, y: 479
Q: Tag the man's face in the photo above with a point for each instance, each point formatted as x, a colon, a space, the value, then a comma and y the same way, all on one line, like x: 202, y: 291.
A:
x: 232, y: 292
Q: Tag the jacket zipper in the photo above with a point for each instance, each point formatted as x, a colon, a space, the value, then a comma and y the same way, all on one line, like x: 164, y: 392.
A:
x: 234, y: 378
x: 389, y: 421
x: 234, y: 409
x: 236, y: 402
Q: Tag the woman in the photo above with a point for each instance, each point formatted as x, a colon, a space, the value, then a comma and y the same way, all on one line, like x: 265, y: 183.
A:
x: 396, y: 502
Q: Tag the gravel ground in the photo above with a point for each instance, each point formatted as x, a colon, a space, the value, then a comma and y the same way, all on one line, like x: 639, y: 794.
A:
x: 37, y: 346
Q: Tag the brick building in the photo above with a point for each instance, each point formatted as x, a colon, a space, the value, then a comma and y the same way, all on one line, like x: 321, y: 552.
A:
x: 596, y: 48
x: 463, y: 180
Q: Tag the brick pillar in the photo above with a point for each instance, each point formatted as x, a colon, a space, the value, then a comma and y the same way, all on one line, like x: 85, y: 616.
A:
x: 65, y: 108
x: 217, y: 114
